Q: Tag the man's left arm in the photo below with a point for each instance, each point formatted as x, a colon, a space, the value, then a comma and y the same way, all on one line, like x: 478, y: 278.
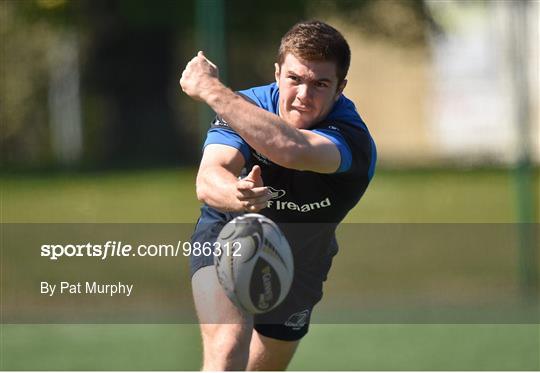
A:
x: 266, y: 132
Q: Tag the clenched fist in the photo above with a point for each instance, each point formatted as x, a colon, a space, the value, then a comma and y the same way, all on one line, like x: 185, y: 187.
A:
x: 199, y: 77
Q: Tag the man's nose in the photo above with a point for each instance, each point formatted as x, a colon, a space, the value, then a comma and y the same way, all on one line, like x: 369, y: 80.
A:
x: 303, y: 92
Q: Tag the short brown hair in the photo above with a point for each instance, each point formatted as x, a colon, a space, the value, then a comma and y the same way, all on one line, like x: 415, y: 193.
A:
x: 317, y: 41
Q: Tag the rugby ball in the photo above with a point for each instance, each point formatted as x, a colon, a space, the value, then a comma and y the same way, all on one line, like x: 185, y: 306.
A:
x: 255, y: 266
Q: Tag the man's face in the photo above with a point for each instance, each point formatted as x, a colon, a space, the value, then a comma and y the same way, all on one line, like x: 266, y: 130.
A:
x: 307, y: 90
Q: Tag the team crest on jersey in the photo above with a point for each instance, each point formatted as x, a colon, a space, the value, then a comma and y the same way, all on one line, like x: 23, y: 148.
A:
x: 220, y: 122
x: 276, y: 193
x: 297, y: 320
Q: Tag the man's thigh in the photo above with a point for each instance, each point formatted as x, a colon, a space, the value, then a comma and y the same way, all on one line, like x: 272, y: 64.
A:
x: 211, y: 303
x: 226, y: 330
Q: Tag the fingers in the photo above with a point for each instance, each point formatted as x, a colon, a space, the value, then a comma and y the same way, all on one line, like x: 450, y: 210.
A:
x: 255, y: 204
x: 245, y: 192
x: 255, y: 208
x: 201, y: 55
x: 254, y: 173
x: 197, y: 75
x: 255, y: 176
x: 250, y: 197
x: 197, y: 60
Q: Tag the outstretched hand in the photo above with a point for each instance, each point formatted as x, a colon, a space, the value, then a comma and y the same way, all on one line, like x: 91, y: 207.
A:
x: 199, y: 76
x: 251, y: 191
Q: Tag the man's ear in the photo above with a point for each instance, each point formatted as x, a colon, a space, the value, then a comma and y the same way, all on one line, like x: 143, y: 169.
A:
x: 276, y: 74
x: 340, y: 89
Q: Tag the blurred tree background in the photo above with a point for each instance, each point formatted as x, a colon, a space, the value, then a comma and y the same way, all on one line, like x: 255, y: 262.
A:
x: 94, y: 83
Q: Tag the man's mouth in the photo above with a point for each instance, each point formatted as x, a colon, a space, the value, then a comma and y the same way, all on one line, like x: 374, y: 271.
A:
x: 302, y: 109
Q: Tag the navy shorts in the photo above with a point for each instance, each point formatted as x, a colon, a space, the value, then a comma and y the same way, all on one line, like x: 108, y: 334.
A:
x: 290, y: 320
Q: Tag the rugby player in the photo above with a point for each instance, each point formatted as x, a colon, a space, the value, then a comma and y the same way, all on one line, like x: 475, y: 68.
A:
x: 296, y: 151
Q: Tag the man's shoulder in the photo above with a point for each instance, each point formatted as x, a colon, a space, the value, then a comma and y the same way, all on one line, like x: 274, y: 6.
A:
x: 344, y: 119
x: 265, y: 96
x: 259, y: 90
x: 345, y: 125
x: 344, y: 113
x: 256, y: 95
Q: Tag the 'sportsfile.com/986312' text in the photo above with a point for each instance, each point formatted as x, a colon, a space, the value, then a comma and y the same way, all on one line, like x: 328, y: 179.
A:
x: 111, y: 249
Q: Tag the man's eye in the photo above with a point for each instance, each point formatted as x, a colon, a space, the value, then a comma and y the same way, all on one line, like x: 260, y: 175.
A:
x: 321, y: 85
x: 294, y: 78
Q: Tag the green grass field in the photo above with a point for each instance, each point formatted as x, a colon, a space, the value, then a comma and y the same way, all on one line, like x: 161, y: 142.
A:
x: 168, y: 196
x: 328, y: 347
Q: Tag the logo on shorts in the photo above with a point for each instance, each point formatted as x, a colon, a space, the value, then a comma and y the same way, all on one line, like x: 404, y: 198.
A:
x: 276, y: 193
x: 297, y: 320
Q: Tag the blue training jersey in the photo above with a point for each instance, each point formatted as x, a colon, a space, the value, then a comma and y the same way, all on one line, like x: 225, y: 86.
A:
x: 314, y: 202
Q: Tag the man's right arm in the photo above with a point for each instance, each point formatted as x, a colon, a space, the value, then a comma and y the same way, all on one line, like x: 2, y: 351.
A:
x: 218, y: 185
